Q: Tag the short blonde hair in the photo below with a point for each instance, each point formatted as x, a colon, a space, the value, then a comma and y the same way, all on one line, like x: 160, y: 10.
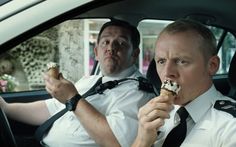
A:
x: 208, y: 45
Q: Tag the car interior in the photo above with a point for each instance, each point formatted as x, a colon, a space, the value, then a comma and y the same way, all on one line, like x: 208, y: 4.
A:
x: 232, y: 78
x: 213, y: 13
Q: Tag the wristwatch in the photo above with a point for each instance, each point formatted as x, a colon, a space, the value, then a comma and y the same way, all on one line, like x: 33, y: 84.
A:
x: 72, y: 103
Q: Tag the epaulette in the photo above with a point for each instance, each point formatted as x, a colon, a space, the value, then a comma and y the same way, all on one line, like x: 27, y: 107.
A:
x: 227, y: 106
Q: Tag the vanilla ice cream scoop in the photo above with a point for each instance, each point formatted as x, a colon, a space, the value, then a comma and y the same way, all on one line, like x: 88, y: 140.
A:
x: 53, y: 69
x: 169, y: 88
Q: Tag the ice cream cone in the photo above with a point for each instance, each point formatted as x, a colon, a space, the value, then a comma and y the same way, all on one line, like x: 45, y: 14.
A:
x: 165, y: 92
x: 53, y: 69
x: 169, y: 88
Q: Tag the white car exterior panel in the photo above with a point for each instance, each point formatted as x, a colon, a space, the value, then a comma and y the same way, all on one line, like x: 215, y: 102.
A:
x: 33, y: 16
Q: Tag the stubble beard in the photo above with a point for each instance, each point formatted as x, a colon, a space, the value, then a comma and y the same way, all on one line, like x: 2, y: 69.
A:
x: 110, y: 67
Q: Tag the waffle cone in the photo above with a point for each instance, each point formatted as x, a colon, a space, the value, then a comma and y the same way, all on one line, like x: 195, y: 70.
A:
x: 165, y: 92
x: 54, y: 72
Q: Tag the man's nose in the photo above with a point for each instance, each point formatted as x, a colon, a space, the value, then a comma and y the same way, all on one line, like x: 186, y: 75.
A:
x: 114, y: 45
x: 170, y: 70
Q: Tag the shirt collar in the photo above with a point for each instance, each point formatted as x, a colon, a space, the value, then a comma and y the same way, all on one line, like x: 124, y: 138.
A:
x: 199, y: 106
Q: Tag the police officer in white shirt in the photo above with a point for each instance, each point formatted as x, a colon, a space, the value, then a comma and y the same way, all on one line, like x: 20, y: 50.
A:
x: 107, y: 119
x: 186, y: 53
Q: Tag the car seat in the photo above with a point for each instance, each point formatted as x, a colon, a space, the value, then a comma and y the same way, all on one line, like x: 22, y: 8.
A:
x: 232, y: 78
x: 153, y: 77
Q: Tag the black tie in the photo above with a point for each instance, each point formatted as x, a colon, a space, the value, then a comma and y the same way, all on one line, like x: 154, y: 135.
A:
x: 177, y: 134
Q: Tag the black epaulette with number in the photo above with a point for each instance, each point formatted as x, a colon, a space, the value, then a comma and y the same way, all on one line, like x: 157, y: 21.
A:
x: 227, y: 106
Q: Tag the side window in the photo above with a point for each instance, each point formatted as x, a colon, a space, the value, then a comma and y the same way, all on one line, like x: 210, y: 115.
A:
x: 226, y: 50
x: 149, y: 30
x: 70, y: 44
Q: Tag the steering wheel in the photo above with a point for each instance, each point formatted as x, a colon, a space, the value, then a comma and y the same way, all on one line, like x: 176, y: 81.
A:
x: 6, y: 135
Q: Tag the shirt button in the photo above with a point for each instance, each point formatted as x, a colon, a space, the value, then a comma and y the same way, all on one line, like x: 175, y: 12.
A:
x: 222, y: 102
x: 71, y: 117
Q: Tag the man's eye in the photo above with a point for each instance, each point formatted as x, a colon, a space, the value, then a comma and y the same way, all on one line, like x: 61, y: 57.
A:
x: 160, y: 61
x: 105, y: 42
x: 122, y: 43
x: 180, y: 61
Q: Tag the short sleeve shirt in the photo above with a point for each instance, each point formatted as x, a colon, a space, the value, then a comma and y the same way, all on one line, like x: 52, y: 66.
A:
x: 119, y: 105
x: 206, y: 126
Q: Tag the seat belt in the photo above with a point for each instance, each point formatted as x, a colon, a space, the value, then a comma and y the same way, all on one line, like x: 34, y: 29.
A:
x: 99, y: 88
x: 42, y: 129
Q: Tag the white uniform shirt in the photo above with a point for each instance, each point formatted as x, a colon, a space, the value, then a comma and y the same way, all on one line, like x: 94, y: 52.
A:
x: 120, y: 106
x: 206, y: 126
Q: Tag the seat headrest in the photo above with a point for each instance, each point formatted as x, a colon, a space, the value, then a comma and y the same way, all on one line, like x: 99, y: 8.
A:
x: 232, y: 72
x: 153, y: 77
x: 232, y: 78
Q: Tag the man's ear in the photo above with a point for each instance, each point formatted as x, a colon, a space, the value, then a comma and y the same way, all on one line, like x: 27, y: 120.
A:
x: 96, y: 52
x: 213, y: 64
x: 136, y: 52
